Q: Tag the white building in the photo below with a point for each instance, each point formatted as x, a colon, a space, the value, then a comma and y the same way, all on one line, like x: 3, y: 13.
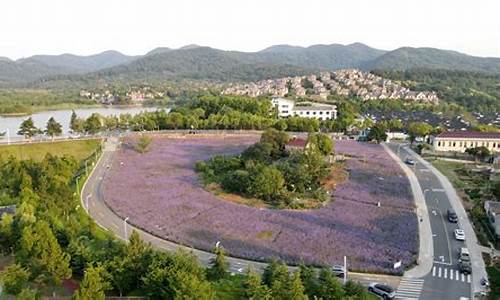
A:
x: 459, y: 141
x: 287, y: 108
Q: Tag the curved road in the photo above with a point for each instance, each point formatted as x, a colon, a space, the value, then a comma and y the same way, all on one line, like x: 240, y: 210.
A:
x: 434, y: 285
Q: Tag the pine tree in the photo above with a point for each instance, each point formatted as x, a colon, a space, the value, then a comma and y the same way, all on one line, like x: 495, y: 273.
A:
x: 76, y: 124
x: 28, y: 129
x: 93, y: 285
x: 330, y: 287
x: 53, y: 128
x: 297, y: 288
x: 254, y: 288
x: 14, y: 278
x: 40, y: 250
x: 219, y: 265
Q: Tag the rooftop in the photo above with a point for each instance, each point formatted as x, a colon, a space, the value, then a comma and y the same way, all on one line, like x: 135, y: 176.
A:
x: 297, y: 142
x: 469, y: 134
x: 314, y: 107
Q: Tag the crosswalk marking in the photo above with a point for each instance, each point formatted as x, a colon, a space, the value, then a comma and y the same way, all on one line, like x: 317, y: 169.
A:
x: 450, y: 274
x: 409, y: 288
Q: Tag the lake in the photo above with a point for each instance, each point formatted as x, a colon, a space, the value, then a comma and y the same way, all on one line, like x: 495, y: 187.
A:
x: 63, y: 116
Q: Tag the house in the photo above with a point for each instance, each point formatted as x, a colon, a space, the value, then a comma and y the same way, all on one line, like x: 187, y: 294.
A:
x: 287, y: 108
x: 297, y: 144
x: 459, y: 141
x: 492, y: 209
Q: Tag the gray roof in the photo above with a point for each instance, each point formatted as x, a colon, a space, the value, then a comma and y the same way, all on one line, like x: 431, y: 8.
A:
x: 315, y: 107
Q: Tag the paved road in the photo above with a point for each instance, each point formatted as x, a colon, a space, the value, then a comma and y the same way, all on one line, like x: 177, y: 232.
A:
x: 444, y: 281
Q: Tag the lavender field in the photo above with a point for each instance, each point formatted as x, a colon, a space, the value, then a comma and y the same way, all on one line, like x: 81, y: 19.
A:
x: 159, y: 192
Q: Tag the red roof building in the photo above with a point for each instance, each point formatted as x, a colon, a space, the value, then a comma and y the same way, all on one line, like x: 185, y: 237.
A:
x: 459, y: 141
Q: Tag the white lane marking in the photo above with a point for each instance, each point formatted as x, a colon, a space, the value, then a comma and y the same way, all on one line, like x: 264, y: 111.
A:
x: 445, y: 273
x: 463, y: 277
x: 451, y: 274
x: 438, y: 190
x: 458, y: 275
x: 433, y: 271
x: 468, y: 278
x: 439, y: 272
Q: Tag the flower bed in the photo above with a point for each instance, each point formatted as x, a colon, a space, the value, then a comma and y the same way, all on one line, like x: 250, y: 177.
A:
x: 159, y: 192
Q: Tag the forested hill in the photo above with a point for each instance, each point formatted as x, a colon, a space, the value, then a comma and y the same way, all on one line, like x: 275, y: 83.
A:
x: 474, y: 90
x: 204, y: 63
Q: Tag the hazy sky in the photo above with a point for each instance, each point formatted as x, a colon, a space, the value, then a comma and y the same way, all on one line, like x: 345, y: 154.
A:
x: 30, y: 27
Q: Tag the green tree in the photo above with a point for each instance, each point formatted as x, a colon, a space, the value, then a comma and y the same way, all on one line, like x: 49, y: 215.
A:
x: 219, y: 265
x: 354, y: 290
x: 418, y: 129
x: 28, y: 294
x: 322, y: 142
x: 267, y: 183
x: 28, y: 129
x: 143, y: 143
x: 297, y: 288
x: 14, y: 278
x: 309, y: 280
x: 53, y: 128
x: 478, y: 152
x: 254, y: 289
x: 76, y: 124
x: 378, y: 133
x: 40, y: 250
x: 330, y: 287
x: 93, y: 285
x: 93, y: 124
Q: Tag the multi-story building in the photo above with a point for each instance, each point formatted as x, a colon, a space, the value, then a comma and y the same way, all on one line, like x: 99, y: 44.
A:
x: 459, y: 141
x: 287, y: 108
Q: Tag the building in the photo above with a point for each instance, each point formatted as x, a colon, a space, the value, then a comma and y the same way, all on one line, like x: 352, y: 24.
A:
x: 297, y: 143
x: 287, y: 108
x: 459, y: 141
x: 492, y: 209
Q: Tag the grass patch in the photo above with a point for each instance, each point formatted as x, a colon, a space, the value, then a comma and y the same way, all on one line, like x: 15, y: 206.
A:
x: 79, y: 149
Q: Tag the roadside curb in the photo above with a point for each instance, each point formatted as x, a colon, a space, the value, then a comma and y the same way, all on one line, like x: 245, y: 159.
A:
x: 426, y: 246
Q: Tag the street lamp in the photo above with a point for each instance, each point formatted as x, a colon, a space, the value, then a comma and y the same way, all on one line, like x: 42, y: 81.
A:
x: 125, y: 227
x: 87, y: 203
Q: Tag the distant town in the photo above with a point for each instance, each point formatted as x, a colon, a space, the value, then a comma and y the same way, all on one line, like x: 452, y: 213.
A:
x: 347, y: 83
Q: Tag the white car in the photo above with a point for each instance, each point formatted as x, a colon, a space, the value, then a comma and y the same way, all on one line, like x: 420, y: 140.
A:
x: 459, y: 234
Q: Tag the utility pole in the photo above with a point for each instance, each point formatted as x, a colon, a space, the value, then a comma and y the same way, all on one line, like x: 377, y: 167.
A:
x: 345, y: 269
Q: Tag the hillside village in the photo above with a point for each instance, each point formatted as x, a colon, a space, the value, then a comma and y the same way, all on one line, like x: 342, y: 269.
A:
x: 347, y: 83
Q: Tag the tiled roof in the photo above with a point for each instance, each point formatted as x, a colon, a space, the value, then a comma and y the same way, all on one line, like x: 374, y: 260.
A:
x: 315, y: 107
x: 469, y: 134
x: 297, y: 143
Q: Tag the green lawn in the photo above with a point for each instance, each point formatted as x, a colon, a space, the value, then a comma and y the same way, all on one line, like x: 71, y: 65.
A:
x: 80, y: 149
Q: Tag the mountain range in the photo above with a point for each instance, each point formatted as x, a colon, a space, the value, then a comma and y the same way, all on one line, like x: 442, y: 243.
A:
x: 204, y: 63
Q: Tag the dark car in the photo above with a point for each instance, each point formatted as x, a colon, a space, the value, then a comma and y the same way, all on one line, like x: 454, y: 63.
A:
x: 452, y: 216
x: 465, y: 267
x: 383, y: 290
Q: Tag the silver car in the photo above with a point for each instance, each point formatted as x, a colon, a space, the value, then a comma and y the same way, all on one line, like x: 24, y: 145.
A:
x: 382, y: 290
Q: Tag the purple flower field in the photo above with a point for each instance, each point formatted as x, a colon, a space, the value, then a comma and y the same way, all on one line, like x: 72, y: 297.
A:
x: 159, y: 192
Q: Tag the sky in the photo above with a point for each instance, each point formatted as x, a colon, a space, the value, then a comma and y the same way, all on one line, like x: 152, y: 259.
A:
x: 134, y: 27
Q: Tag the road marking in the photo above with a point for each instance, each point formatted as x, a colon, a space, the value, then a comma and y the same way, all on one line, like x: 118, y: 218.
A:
x: 458, y: 275
x: 439, y: 272
x: 447, y: 239
x: 451, y: 274
x: 438, y: 190
x: 463, y: 277
x: 433, y: 271
x: 409, y: 288
x: 468, y: 278
x: 445, y: 273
